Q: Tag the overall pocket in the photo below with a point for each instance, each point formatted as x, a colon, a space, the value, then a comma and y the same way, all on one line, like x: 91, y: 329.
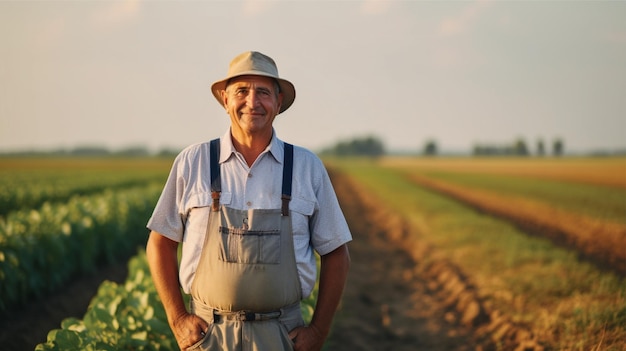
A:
x: 249, y: 246
x: 251, y: 237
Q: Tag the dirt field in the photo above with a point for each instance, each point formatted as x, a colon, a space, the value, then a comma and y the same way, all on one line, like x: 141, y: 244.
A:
x: 385, y: 305
x: 393, y: 300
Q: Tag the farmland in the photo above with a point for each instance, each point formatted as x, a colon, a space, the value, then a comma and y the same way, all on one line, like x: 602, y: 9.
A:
x: 527, y: 286
x: 448, y: 254
x: 64, y: 220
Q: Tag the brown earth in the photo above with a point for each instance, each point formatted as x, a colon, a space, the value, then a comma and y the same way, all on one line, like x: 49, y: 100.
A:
x: 400, y: 295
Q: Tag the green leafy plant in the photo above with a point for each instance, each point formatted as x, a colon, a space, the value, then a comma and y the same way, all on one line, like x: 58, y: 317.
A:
x: 43, y: 248
x: 126, y: 316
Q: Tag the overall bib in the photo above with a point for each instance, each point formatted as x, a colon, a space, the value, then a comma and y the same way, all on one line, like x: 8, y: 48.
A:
x: 246, y: 285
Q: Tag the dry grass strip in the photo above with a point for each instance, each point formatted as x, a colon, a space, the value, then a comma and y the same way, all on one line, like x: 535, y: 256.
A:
x: 599, y: 171
x: 601, y: 242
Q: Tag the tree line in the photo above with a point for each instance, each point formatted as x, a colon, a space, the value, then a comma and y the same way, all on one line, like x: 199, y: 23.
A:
x: 372, y: 146
x: 364, y: 146
x: 369, y: 146
x: 519, y: 148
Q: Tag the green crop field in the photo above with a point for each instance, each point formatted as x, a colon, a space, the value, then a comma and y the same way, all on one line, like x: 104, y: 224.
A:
x: 63, y: 217
x: 60, y: 218
x: 29, y: 182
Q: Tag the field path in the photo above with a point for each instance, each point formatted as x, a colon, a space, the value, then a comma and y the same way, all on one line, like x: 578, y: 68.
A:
x: 385, y: 307
x: 394, y: 302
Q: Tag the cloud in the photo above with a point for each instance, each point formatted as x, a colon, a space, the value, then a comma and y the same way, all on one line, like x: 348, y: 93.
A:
x: 461, y: 23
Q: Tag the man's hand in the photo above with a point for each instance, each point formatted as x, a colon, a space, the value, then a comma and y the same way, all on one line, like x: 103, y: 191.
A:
x: 161, y: 253
x: 189, y: 329
x: 307, y: 338
x: 333, y: 275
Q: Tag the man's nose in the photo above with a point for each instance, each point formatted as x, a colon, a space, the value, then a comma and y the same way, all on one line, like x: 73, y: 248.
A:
x: 252, y: 98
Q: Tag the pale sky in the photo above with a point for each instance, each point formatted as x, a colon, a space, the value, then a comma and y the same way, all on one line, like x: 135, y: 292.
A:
x: 127, y: 73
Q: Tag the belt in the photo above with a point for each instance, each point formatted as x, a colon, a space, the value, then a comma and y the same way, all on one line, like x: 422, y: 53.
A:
x: 245, y: 316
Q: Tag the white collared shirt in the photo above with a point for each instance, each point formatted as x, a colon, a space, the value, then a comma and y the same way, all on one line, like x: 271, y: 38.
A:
x: 183, y: 209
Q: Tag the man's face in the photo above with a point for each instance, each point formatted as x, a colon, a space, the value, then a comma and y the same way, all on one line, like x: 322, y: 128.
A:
x: 252, y: 103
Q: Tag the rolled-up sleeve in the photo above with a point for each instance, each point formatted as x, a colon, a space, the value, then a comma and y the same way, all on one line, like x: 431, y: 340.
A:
x: 168, y: 217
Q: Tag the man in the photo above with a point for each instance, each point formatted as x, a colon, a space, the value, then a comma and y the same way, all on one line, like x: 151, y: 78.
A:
x: 249, y: 210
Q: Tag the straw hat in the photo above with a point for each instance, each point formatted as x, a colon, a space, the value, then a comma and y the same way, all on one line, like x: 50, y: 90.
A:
x: 255, y: 63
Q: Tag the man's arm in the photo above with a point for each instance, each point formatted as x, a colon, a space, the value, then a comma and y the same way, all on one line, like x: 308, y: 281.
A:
x: 162, y: 259
x: 333, y: 275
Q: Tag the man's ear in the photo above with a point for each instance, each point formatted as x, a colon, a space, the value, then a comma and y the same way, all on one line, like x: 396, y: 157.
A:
x: 280, y: 101
x: 224, y: 97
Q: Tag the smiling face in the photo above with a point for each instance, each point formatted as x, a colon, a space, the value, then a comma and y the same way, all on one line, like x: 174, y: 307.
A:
x: 252, y: 103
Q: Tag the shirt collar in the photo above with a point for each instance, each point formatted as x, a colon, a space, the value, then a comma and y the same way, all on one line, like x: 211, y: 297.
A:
x: 275, y: 148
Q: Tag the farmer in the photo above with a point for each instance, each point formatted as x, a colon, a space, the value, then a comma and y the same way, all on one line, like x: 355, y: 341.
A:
x: 249, y: 211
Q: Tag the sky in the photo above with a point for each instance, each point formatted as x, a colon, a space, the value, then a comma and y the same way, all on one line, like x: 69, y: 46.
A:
x: 120, y: 74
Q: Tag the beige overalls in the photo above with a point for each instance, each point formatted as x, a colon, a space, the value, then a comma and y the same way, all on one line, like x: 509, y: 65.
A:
x: 246, y: 285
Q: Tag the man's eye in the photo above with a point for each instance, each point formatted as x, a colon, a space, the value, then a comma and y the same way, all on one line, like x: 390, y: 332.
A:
x: 241, y: 91
x: 264, y: 92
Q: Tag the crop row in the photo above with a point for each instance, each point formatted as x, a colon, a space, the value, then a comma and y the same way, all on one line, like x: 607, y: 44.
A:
x: 126, y: 316
x: 571, y: 230
x: 120, y: 317
x: 27, y: 190
x: 44, y: 248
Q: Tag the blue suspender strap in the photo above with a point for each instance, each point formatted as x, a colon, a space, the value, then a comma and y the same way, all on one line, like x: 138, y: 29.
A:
x: 287, y: 176
x: 216, y: 184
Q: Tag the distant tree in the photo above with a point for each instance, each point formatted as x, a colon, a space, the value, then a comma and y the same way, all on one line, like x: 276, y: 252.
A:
x: 476, y: 150
x: 520, y: 148
x: 541, y: 148
x: 485, y: 150
x: 558, y: 147
x: 364, y: 146
x: 369, y: 146
x: 430, y: 148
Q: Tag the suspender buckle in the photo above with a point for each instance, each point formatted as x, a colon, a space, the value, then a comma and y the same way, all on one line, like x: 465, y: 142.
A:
x: 284, y: 209
x: 215, y: 195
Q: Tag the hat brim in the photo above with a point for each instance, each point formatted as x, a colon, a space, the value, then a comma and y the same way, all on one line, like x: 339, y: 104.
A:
x: 286, y: 88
